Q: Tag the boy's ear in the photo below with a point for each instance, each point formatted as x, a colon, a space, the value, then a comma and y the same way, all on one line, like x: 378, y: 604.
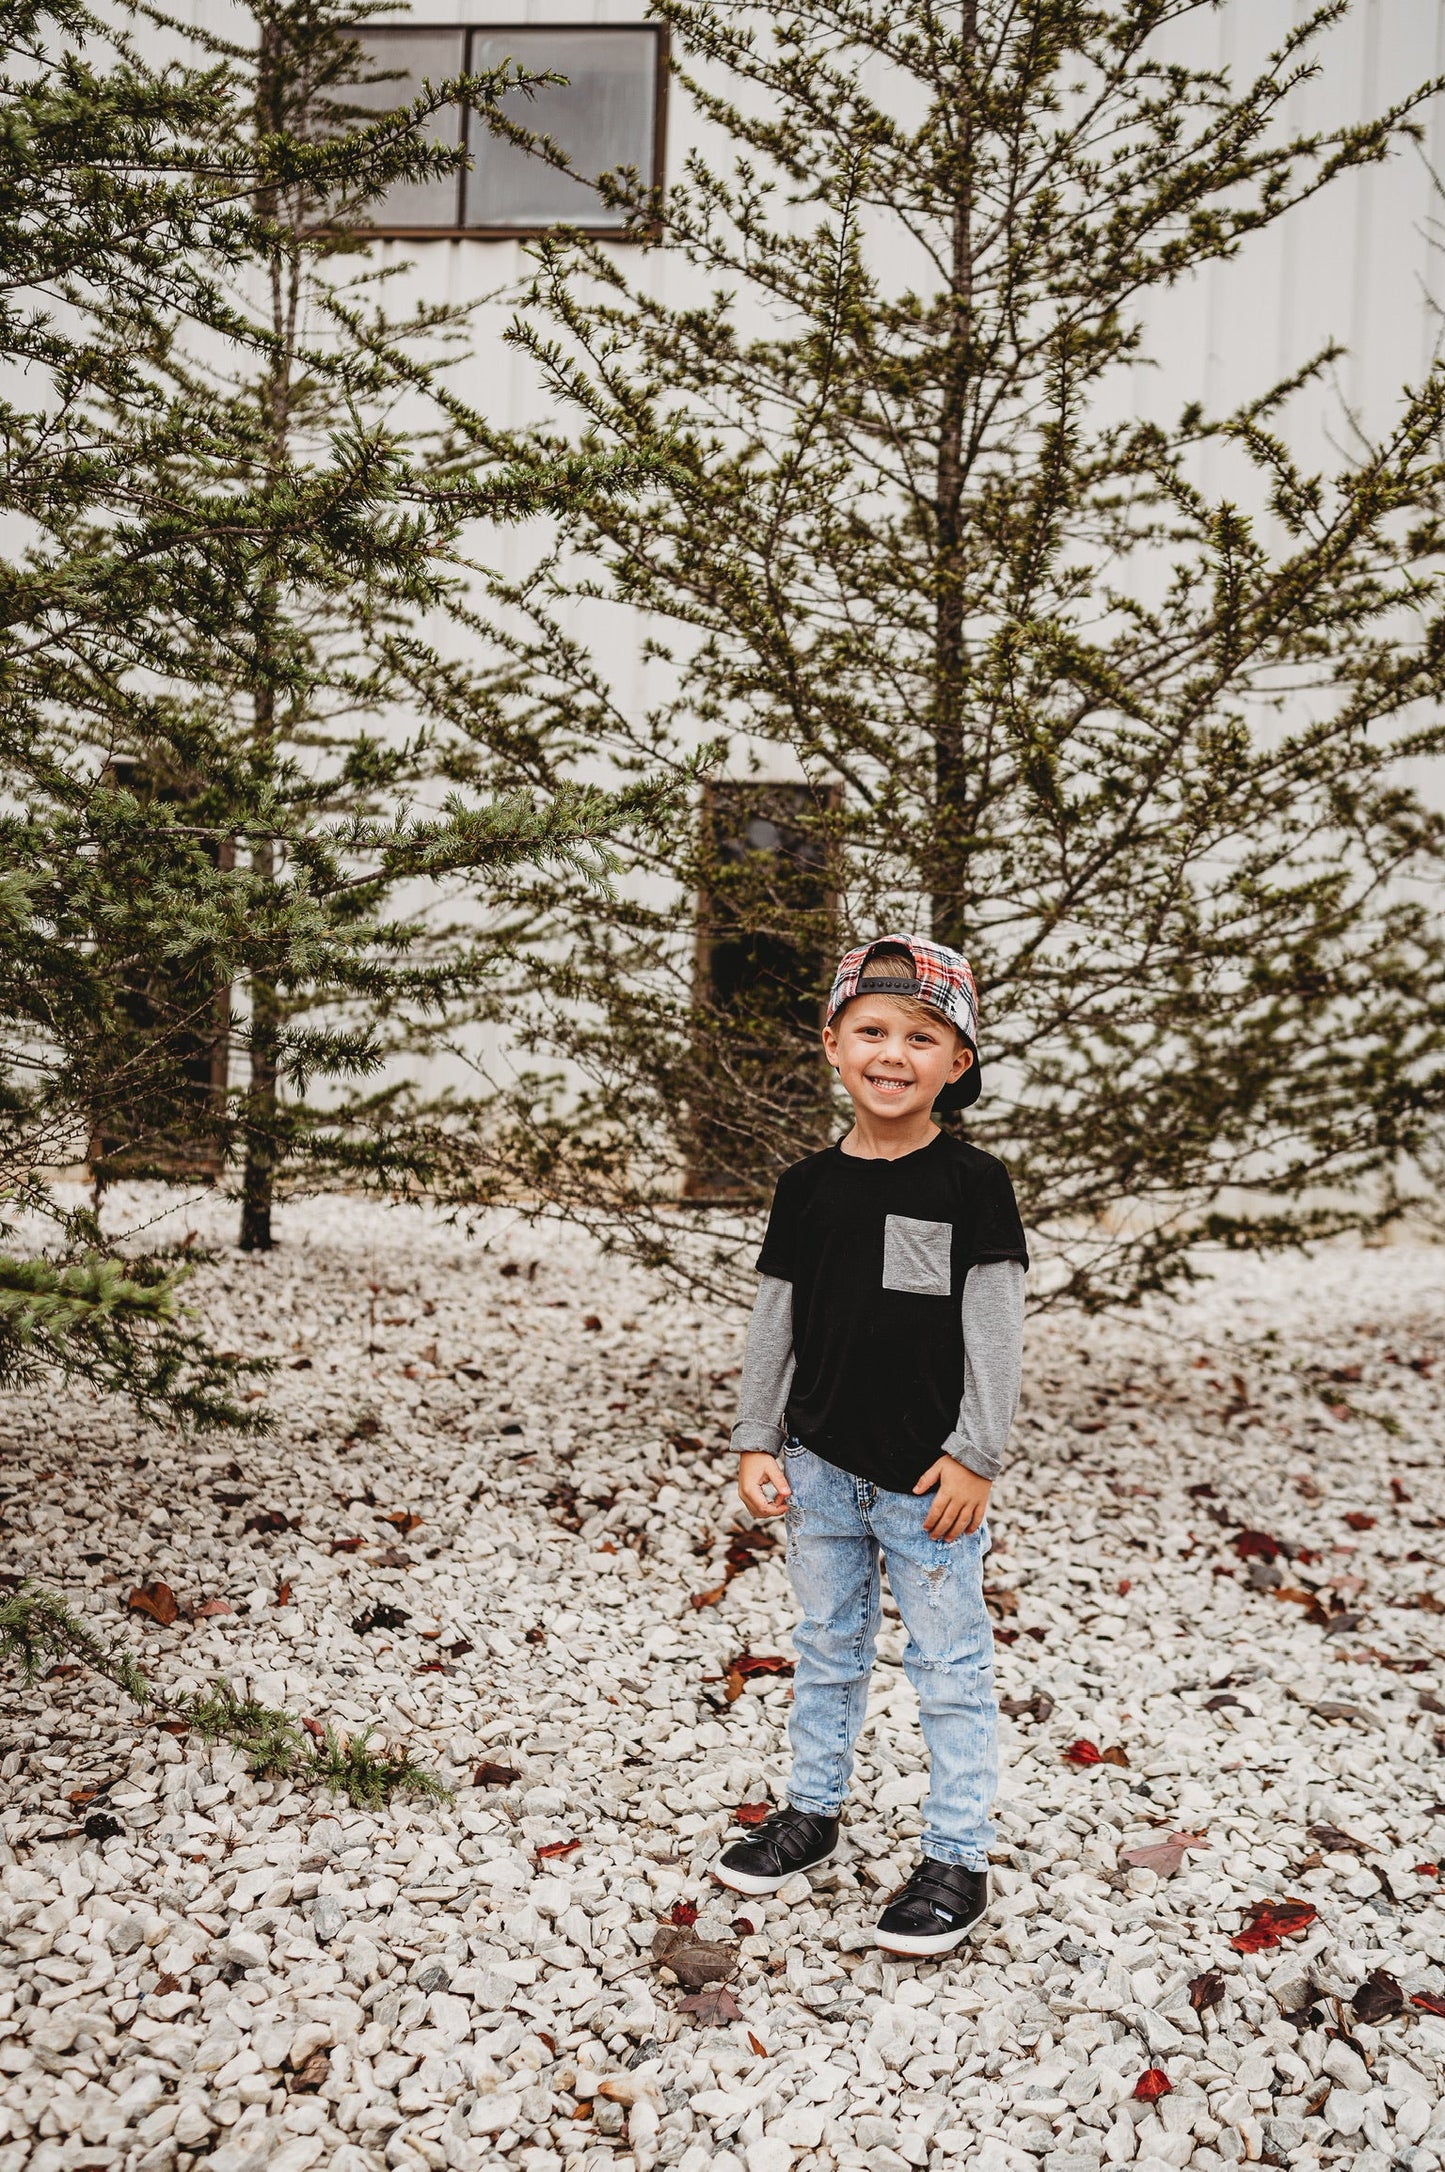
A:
x: 961, y: 1065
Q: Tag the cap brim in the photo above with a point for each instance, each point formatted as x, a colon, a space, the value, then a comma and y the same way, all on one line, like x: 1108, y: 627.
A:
x: 961, y: 1093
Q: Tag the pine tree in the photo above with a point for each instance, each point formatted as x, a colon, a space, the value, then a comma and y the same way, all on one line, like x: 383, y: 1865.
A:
x: 1137, y: 749
x: 234, y: 505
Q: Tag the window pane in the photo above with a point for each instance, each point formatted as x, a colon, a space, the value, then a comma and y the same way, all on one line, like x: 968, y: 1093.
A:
x: 603, y: 117
x: 408, y: 58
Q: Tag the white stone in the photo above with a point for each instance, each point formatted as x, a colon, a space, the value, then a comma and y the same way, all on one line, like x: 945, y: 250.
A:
x: 1344, y: 2111
x: 768, y: 2154
x: 192, y: 2125
x: 450, y: 2017
x: 126, y: 1936
x: 1342, y: 2065
x: 909, y: 1787
x: 801, y: 2127
x: 311, y: 2036
x: 1412, y: 2121
x: 247, y: 1949
x: 298, y: 2154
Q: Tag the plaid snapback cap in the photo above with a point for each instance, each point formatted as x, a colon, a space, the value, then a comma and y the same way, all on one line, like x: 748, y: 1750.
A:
x: 930, y: 973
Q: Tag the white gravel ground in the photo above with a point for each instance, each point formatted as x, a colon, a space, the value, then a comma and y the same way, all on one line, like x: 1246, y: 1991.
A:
x: 257, y: 1979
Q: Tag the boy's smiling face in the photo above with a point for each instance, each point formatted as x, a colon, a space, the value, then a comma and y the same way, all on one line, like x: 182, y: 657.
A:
x: 893, y: 1056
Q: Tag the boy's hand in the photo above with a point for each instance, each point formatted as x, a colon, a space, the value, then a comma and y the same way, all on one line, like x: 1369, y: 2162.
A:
x: 961, y: 1502
x: 756, y: 1470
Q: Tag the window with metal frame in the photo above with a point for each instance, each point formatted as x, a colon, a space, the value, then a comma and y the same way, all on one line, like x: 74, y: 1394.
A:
x: 608, y: 116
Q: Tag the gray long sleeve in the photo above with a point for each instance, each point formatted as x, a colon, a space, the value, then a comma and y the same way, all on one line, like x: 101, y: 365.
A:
x: 993, y: 1348
x: 993, y: 1327
x: 767, y: 1370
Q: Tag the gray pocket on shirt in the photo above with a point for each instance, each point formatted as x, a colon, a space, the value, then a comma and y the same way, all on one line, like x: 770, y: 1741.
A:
x: 917, y: 1256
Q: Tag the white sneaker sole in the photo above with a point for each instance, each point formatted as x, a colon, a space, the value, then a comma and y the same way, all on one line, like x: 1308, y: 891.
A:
x: 747, y: 1881
x: 926, y: 1943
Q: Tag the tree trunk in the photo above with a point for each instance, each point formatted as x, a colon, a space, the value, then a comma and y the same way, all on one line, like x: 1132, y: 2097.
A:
x: 953, y: 818
x: 258, y: 1184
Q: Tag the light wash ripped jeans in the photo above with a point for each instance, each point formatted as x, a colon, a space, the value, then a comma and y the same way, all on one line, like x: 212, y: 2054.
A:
x: 838, y: 1526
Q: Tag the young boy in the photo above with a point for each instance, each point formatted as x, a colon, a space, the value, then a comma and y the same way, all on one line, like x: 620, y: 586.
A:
x: 879, y: 1383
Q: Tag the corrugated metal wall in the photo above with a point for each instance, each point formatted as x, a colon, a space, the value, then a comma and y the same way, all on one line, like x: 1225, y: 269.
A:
x: 1364, y: 264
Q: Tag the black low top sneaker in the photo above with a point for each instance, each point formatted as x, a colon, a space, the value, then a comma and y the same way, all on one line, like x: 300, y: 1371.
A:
x: 787, y: 1841
x: 935, y: 1911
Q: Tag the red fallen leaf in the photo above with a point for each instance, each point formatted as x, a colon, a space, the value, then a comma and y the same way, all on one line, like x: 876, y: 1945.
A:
x: 751, y: 1813
x: 1429, y: 2002
x: 1378, y: 1997
x: 1123, y: 1587
x: 1206, y: 1990
x: 760, y: 2049
x: 283, y: 1595
x: 270, y: 1520
x: 433, y: 1666
x: 1256, y: 1546
x: 1397, y: 1487
x: 1115, y: 1755
x: 744, y: 1926
x: 1427, y: 1870
x: 557, y: 1847
x: 684, y: 1913
x: 1271, y: 1922
x: 743, y: 1546
x: 709, y: 1598
x: 1163, y: 1856
x: 157, y: 1601
x: 347, y: 1545
x: 211, y: 1608
x: 402, y: 1519
x: 748, y: 1664
x: 1359, y: 1521
x: 461, y: 1647
x: 711, y: 2007
x: 592, y: 1324
x: 489, y: 1775
x: 1152, y: 2084
x: 1337, y: 1840
x: 1083, y: 1752
x: 315, y: 1729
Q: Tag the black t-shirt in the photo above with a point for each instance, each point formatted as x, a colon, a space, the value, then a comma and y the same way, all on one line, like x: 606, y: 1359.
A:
x: 877, y: 1253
